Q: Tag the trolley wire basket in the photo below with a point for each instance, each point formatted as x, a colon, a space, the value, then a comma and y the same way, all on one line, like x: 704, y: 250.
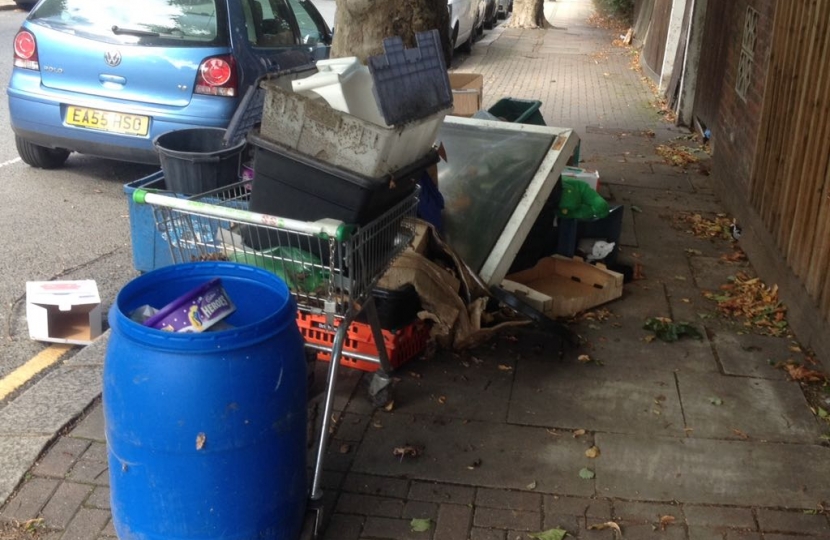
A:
x: 330, y: 267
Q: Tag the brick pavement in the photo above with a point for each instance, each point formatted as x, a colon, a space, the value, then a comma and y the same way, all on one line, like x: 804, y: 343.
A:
x: 501, y: 450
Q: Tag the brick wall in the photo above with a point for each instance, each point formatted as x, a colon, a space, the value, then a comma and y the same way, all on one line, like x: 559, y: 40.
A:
x: 733, y: 121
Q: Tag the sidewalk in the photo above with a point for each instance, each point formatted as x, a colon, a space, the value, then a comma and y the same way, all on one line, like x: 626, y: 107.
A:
x: 697, y: 439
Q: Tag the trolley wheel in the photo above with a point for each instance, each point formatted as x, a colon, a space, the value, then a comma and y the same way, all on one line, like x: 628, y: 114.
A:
x: 380, y: 390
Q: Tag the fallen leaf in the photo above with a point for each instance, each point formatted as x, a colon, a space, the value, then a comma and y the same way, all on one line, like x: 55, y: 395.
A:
x: 377, y: 424
x: 442, y: 399
x: 715, y: 401
x: 607, y: 525
x: 584, y: 358
x: 504, y: 367
x: 649, y: 339
x: 740, y: 434
x: 586, y: 474
x: 550, y: 534
x: 803, y: 374
x: 531, y: 485
x: 579, y: 433
x: 200, y: 441
x: 680, y: 278
x: 685, y: 300
x: 694, y: 252
x: 592, y: 452
x: 822, y: 413
x: 637, y: 209
x: 420, y: 525
x: 669, y: 331
x: 665, y: 521
x: 407, y: 450
x: 345, y: 448
x: 475, y: 464
x: 389, y: 406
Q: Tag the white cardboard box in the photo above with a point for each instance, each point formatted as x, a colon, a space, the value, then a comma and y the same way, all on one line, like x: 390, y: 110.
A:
x: 589, y: 177
x: 63, y: 311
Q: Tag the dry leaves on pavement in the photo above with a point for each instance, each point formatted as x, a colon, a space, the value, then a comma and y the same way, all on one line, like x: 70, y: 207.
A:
x: 718, y: 227
x: 407, y: 450
x: 679, y: 156
x: 803, y: 374
x: 749, y: 299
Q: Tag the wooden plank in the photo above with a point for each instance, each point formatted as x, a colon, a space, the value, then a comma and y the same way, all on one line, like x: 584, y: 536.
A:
x: 814, y: 162
x: 775, y: 158
x: 818, y: 274
x: 784, y: 181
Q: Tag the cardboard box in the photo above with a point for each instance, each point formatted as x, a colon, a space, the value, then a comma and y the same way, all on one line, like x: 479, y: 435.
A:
x: 63, y: 311
x: 589, y: 177
x: 562, y: 287
x: 467, y: 92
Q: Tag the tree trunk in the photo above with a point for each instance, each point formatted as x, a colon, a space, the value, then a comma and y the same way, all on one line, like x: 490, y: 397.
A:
x: 528, y: 14
x: 360, y: 26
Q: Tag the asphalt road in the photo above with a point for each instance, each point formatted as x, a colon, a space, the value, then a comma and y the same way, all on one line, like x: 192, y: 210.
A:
x: 70, y: 223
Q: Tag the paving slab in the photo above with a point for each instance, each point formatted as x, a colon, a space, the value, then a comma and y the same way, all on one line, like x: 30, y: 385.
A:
x: 92, y: 354
x: 52, y: 403
x: 610, y: 399
x: 752, y: 355
x: 452, y: 386
x: 715, y: 406
x: 710, y: 273
x: 701, y: 471
x: 16, y: 457
x: 666, y: 200
x: 476, y: 454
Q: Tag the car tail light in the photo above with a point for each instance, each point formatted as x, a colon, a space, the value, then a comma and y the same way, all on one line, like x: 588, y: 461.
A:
x: 25, y: 51
x: 217, y: 77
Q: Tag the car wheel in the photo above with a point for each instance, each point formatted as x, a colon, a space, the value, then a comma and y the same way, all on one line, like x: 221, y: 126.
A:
x: 467, y: 47
x: 40, y: 156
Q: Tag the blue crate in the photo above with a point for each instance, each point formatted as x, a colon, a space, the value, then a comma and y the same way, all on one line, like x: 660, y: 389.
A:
x: 150, y: 248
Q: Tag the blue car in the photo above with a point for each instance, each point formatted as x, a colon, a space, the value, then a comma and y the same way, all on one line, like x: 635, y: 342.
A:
x: 107, y: 77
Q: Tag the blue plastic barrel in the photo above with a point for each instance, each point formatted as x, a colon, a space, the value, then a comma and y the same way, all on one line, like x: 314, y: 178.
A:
x: 206, y: 432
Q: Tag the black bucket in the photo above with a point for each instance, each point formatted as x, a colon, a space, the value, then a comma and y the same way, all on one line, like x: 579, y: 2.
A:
x: 196, y: 160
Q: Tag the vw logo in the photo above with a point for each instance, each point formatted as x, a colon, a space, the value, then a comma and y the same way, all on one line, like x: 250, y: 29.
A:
x: 113, y: 58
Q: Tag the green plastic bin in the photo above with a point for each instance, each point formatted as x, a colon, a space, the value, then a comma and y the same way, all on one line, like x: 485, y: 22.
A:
x: 520, y: 111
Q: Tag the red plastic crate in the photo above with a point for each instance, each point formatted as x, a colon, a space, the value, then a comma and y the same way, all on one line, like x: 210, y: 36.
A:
x: 401, y: 345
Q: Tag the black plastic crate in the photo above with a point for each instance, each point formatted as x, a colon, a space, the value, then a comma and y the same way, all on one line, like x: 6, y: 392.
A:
x: 292, y: 185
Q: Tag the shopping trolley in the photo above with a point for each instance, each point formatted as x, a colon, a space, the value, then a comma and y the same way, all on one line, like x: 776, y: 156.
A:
x: 331, y: 267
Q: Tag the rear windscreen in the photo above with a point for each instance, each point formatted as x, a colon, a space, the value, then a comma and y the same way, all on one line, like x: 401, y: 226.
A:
x: 176, y: 23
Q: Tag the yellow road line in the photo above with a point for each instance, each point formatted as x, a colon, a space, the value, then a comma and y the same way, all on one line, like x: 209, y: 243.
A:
x: 35, y: 365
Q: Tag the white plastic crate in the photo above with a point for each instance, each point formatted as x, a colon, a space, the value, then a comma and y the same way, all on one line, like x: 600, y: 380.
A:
x: 314, y: 128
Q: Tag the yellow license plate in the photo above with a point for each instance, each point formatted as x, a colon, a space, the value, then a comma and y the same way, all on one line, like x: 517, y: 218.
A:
x: 128, y: 124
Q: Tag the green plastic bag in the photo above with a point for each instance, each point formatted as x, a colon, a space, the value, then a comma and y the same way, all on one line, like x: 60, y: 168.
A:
x: 579, y: 201
x: 299, y: 269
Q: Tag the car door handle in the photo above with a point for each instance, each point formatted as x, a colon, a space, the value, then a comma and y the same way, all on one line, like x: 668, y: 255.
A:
x: 112, y: 80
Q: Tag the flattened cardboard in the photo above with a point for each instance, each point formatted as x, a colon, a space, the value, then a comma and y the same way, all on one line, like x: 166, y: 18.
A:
x: 63, y: 311
x: 562, y: 287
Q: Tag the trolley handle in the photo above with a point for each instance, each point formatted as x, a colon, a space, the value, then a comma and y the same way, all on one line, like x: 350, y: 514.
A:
x: 324, y: 228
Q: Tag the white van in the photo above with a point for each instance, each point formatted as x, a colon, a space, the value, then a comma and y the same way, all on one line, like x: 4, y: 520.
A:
x: 466, y: 16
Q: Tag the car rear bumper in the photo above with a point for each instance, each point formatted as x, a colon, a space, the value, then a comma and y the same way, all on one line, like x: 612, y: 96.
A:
x: 40, y: 121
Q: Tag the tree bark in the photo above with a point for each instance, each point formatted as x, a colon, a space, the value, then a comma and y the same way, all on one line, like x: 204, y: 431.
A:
x: 528, y: 14
x: 360, y: 26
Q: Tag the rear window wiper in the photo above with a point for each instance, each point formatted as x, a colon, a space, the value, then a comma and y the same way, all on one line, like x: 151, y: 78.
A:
x: 117, y: 30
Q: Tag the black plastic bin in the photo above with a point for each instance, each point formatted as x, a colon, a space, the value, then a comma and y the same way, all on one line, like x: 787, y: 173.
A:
x: 609, y: 228
x: 197, y: 160
x: 396, y: 307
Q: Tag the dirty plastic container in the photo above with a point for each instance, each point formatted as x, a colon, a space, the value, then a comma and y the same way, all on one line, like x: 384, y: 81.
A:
x: 206, y: 432
x: 346, y: 85
x: 197, y: 160
x: 519, y: 111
